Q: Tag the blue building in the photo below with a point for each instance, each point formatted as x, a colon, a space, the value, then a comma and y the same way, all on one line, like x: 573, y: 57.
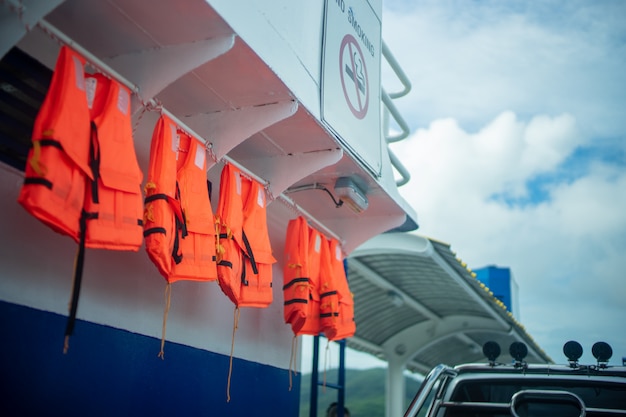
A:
x: 501, y: 282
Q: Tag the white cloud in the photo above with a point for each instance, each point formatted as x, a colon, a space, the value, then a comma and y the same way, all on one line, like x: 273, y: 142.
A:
x: 471, y: 61
x: 594, y: 206
x: 499, y: 158
x: 549, y: 141
x: 566, y: 251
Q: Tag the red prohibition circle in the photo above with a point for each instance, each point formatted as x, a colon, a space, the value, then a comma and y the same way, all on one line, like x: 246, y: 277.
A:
x: 356, y: 72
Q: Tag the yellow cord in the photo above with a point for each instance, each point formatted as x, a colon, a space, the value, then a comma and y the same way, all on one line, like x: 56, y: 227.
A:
x: 232, y: 350
x: 168, y: 298
x: 35, y: 162
x: 293, y: 360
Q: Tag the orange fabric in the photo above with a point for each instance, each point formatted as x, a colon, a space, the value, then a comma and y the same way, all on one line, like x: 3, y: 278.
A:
x: 229, y: 221
x: 311, y: 324
x: 256, y: 286
x: 243, y: 244
x: 177, y: 188
x: 198, y: 247
x: 83, y: 158
x: 54, y: 185
x: 119, y: 203
x: 296, y: 274
x: 344, y: 326
x: 316, y: 292
x: 158, y: 221
x: 329, y: 298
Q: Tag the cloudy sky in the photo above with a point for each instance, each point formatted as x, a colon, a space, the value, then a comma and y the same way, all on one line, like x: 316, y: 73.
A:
x: 518, y: 151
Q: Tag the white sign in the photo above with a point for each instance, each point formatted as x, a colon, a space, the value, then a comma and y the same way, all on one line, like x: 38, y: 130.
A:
x: 351, y: 79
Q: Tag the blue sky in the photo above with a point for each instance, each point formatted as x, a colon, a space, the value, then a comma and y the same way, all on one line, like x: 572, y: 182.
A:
x: 518, y: 150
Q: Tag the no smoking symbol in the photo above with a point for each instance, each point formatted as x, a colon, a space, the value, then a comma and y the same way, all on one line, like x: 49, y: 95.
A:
x: 354, y: 76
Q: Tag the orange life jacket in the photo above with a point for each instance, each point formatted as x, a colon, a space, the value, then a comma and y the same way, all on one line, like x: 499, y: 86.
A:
x: 179, y: 227
x: 82, y: 163
x: 337, y: 317
x: 317, y: 244
x: 113, y: 204
x: 329, y: 298
x: 229, y: 224
x: 244, y: 253
x: 317, y: 297
x: 82, y: 178
x: 58, y: 162
x: 296, y: 274
x: 256, y: 278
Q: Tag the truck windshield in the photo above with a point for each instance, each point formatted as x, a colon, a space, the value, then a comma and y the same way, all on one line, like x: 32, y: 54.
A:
x: 492, y: 398
x: 595, y: 394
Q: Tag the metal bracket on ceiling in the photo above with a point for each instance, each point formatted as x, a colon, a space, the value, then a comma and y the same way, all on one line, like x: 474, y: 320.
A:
x: 19, y: 17
x: 152, y: 70
x: 227, y: 129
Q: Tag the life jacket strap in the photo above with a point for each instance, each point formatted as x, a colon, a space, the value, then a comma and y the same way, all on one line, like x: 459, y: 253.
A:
x: 38, y: 181
x: 227, y: 264
x: 154, y: 197
x: 244, y: 281
x: 295, y: 281
x: 94, y: 162
x: 249, y: 252
x: 154, y: 230
x: 174, y: 204
x: 178, y: 257
x: 178, y: 217
x: 296, y: 301
x: 78, y: 276
x: 183, y: 218
x: 50, y: 142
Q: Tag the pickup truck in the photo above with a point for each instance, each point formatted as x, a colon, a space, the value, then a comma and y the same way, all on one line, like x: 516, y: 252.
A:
x: 520, y: 389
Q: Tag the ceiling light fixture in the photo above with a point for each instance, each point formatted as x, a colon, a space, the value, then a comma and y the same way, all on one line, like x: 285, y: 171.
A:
x: 350, y: 193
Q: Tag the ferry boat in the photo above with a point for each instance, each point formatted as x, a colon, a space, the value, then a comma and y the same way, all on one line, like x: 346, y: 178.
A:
x: 287, y: 92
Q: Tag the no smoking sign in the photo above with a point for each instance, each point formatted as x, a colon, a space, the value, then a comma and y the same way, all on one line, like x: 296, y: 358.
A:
x: 350, y: 79
x: 354, y: 79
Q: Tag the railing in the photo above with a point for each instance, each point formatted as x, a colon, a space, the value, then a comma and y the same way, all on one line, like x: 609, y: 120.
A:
x: 391, y: 109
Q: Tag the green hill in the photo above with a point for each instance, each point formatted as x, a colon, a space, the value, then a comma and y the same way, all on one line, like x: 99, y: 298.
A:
x: 365, y: 392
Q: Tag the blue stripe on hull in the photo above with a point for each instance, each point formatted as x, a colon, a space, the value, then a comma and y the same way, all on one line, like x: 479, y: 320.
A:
x: 112, y: 372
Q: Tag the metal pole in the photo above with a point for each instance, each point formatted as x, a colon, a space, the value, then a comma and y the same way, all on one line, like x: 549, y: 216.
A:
x: 314, y: 377
x: 341, y: 394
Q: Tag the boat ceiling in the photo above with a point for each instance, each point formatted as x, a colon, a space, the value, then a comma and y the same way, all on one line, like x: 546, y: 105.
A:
x: 184, y: 57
